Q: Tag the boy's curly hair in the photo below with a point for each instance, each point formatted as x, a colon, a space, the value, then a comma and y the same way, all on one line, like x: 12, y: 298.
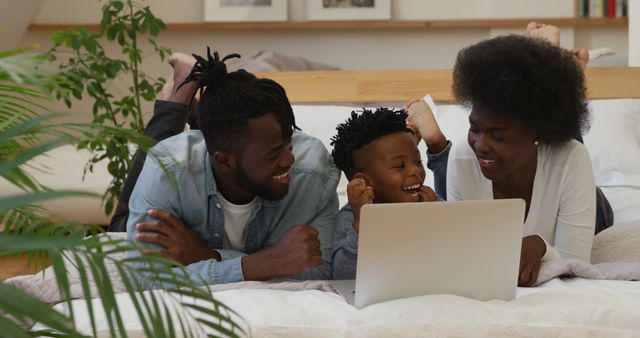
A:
x: 526, y: 79
x: 360, y: 130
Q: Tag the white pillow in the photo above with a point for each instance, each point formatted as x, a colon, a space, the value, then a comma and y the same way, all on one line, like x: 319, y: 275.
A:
x: 453, y: 121
x: 614, y: 142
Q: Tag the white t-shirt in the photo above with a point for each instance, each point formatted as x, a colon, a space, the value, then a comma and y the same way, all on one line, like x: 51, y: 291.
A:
x: 563, y: 204
x: 236, y: 218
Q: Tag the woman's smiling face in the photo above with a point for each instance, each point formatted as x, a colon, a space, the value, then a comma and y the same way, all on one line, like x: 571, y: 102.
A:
x: 503, y: 146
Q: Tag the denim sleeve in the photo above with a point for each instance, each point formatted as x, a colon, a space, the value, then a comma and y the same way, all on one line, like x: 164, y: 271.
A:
x: 155, y: 190
x: 229, y: 269
x: 345, y: 246
x: 168, y: 119
x: 324, y: 221
x: 438, y: 164
x: 209, y: 272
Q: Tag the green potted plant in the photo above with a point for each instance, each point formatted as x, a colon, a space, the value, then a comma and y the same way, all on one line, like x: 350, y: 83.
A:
x: 86, y: 70
x: 27, y: 129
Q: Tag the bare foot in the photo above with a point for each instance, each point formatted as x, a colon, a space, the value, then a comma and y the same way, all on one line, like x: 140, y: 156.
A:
x: 421, y: 117
x: 539, y: 30
x: 182, y: 65
x: 582, y: 56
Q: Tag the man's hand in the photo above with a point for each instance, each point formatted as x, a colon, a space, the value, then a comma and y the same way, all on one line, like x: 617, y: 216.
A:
x: 297, y: 250
x: 533, y: 248
x: 178, y: 242
x: 359, y: 194
x: 426, y: 194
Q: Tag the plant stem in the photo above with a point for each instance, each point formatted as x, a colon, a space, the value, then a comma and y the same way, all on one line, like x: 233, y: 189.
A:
x: 134, y: 67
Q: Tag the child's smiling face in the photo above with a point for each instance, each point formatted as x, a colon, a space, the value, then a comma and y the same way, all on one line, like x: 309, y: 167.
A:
x: 392, y: 165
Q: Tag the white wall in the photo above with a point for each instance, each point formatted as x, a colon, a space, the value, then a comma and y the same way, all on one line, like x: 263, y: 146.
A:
x: 14, y: 20
x: 87, y: 11
x: 352, y: 49
x: 634, y: 33
x: 348, y: 49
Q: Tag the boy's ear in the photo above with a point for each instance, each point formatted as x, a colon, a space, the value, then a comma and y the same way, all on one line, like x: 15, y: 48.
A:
x: 224, y: 160
x: 362, y: 176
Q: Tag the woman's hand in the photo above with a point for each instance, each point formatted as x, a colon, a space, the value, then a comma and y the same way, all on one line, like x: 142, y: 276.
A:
x: 359, y: 194
x: 421, y: 119
x: 533, y: 249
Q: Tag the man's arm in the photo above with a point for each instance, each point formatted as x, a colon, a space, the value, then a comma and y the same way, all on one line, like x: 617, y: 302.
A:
x: 325, y: 222
x: 169, y: 118
x: 297, y: 250
x: 156, y: 190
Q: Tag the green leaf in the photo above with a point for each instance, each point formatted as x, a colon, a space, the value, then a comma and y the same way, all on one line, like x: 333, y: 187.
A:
x: 117, y: 5
x: 15, y: 201
x: 29, y: 307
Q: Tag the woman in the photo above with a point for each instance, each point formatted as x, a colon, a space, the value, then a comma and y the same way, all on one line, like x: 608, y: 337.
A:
x: 527, y: 100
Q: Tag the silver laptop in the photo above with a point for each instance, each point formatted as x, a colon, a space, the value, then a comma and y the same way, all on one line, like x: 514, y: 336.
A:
x: 468, y: 248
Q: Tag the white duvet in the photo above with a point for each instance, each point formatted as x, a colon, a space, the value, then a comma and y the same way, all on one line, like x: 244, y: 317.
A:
x: 559, y: 308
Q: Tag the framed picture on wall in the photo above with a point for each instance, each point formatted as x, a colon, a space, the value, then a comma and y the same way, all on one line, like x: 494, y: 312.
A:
x: 348, y: 9
x: 245, y: 10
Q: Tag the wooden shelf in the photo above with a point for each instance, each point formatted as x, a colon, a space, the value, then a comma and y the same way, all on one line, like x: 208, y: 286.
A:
x: 404, y: 85
x: 347, y: 25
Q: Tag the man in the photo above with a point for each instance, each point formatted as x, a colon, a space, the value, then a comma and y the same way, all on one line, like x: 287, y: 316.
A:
x: 245, y: 198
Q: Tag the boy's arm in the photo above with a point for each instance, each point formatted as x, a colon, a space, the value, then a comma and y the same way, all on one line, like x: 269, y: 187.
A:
x: 437, y: 163
x: 345, y: 246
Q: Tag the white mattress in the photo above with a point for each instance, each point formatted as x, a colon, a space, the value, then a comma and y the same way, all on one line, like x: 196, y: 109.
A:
x: 560, y: 308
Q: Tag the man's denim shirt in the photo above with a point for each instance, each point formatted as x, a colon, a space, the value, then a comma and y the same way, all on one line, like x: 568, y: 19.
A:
x: 177, y: 177
x: 345, y: 239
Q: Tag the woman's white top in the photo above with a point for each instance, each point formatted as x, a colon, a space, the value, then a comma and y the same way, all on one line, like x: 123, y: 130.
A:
x: 563, y: 202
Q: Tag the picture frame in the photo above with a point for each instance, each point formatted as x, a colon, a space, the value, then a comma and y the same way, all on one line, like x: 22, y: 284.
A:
x: 327, y: 10
x: 245, y: 10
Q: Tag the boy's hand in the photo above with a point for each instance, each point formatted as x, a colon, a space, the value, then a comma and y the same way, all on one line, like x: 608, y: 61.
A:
x: 426, y: 194
x: 359, y: 194
x: 421, y: 117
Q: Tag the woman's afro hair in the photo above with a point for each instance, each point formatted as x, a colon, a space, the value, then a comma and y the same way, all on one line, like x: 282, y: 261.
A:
x: 526, y: 79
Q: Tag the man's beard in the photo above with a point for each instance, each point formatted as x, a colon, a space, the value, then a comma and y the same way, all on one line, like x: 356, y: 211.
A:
x: 261, y: 190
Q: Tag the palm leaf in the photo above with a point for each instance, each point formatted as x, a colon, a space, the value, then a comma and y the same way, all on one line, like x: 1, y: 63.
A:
x: 24, y: 122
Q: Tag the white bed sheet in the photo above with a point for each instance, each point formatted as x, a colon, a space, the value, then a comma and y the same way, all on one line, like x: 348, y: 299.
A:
x: 559, y: 308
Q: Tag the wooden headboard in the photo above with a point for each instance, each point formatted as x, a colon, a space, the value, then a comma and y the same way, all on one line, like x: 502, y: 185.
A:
x: 405, y: 85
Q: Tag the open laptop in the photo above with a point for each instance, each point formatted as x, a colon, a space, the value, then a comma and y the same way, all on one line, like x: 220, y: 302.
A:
x: 467, y: 248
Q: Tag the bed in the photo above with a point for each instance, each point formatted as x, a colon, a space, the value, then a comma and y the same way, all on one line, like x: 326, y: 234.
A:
x: 561, y: 307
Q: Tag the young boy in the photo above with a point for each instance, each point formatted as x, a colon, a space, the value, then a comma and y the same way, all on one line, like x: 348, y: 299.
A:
x: 378, y: 154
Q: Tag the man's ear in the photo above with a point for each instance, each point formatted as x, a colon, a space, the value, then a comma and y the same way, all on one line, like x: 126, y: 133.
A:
x: 224, y: 161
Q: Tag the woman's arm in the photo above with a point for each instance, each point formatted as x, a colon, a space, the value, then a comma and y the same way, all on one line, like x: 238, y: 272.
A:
x: 575, y: 223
